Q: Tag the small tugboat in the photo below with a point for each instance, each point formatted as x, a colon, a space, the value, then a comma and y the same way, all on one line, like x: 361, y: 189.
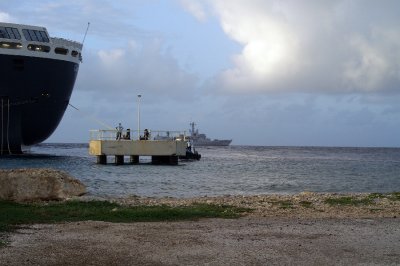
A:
x: 190, y: 154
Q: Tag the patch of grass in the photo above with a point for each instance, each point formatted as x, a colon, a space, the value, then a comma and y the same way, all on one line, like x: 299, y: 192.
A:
x: 305, y: 204
x: 376, y: 196
x: 391, y: 196
x: 375, y: 209
x: 394, y: 196
x: 3, y: 240
x: 14, y: 214
x: 286, y: 205
x: 349, y: 201
x: 283, y: 204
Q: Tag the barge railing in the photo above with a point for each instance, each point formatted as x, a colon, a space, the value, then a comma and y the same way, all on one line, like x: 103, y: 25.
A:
x: 127, y: 134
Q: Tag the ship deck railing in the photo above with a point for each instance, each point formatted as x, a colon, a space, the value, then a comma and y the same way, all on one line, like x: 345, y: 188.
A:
x: 65, y: 42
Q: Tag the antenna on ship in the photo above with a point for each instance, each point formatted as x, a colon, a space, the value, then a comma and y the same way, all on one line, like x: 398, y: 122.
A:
x: 87, y: 29
x: 192, y: 124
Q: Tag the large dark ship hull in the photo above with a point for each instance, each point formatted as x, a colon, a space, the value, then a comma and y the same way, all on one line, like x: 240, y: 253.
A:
x: 34, y: 94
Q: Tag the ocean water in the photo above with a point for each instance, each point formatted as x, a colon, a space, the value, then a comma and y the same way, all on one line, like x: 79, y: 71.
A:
x: 233, y: 170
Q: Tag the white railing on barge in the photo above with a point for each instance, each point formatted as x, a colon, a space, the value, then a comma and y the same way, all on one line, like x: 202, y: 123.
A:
x: 111, y: 134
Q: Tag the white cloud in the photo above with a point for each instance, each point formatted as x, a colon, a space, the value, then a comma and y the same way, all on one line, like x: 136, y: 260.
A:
x: 139, y: 66
x: 270, y: 47
x: 197, y: 9
x: 109, y: 58
x: 310, y: 45
x: 5, y: 17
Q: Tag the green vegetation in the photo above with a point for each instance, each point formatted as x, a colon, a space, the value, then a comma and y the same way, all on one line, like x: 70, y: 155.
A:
x: 14, y: 214
x: 373, y: 196
x: 305, y: 204
x: 283, y: 204
x: 367, y: 200
x: 348, y: 201
x: 394, y: 196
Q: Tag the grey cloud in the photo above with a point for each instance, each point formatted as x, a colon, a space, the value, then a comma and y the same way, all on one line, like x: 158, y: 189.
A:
x: 311, y: 46
x: 138, y: 67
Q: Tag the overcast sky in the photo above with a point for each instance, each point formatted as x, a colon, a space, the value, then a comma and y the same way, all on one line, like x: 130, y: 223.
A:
x: 320, y: 73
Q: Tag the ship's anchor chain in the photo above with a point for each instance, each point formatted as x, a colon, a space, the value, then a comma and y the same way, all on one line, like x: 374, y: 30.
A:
x: 2, y: 126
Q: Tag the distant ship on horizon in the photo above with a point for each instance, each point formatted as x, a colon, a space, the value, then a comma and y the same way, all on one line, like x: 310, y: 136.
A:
x: 200, y: 139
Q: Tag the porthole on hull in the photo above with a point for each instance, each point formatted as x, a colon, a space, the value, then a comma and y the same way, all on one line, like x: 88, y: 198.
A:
x: 60, y: 50
x: 39, y: 48
x: 10, y: 45
x: 74, y: 53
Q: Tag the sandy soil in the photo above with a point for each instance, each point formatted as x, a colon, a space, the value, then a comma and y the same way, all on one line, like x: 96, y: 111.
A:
x: 317, y: 234
x: 245, y: 241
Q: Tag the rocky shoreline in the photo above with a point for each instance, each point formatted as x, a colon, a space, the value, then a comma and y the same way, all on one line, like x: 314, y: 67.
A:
x: 49, y: 184
x: 302, y: 229
x: 302, y: 205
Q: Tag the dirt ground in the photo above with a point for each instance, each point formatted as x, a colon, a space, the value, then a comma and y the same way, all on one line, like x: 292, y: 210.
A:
x: 282, y: 230
x: 244, y: 241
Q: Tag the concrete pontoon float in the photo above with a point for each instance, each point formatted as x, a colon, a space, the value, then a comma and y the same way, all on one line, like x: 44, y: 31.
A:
x: 166, y: 150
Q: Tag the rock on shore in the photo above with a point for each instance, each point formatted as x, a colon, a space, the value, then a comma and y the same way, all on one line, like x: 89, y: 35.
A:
x: 38, y: 184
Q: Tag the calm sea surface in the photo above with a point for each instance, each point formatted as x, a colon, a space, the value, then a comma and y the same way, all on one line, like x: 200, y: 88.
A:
x: 235, y: 170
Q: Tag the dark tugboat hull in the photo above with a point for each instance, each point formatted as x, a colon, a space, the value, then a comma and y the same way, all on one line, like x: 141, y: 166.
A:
x: 191, y: 156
